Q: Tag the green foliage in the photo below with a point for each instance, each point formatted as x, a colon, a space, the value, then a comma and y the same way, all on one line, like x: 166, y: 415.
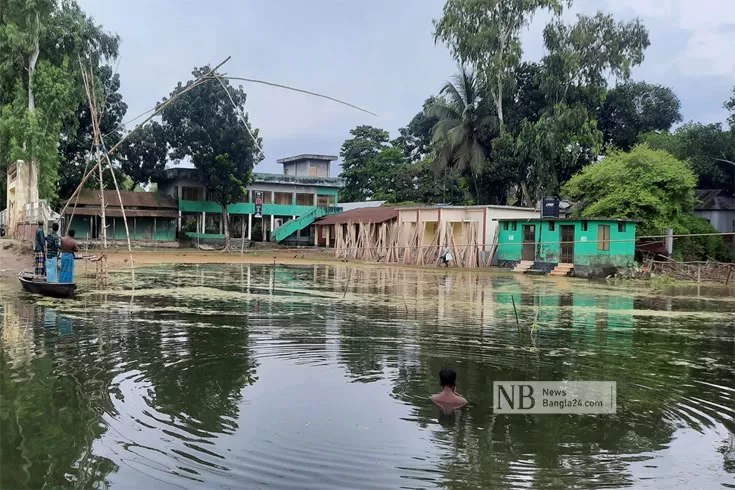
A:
x: 555, y: 147
x: 708, y: 148
x: 730, y: 106
x: 486, y: 35
x: 76, y: 146
x: 463, y: 121
x: 419, y: 183
x: 701, y: 247
x: 582, y: 57
x: 203, y: 125
x: 644, y: 184
x: 415, y: 139
x: 635, y: 108
x: 41, y: 42
x: 370, y: 165
x: 144, y: 154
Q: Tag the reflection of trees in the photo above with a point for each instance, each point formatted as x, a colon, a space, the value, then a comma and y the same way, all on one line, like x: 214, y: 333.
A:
x: 198, y: 374
x: 48, y: 417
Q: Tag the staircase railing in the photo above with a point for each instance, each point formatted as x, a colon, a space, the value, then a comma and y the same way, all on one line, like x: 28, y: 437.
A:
x: 290, y: 227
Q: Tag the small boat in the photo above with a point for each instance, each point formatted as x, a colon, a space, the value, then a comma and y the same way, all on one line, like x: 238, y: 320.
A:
x: 40, y: 286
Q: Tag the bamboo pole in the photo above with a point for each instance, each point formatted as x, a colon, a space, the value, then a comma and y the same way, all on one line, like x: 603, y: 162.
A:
x: 204, y: 78
x: 98, y: 139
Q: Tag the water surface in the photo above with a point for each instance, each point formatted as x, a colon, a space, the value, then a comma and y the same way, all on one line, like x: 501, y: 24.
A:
x: 251, y: 376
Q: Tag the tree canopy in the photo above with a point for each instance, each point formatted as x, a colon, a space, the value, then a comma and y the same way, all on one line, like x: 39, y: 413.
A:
x: 203, y: 125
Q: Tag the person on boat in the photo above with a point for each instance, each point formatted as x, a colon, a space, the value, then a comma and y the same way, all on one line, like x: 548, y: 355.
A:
x: 448, y: 399
x: 53, y: 246
x: 39, y: 252
x: 68, y: 249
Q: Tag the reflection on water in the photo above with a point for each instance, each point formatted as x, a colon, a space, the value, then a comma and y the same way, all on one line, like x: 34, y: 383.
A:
x: 319, y: 377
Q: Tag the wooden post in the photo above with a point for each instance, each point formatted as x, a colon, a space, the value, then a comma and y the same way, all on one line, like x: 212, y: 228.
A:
x: 102, y: 207
x: 154, y: 229
x: 135, y: 228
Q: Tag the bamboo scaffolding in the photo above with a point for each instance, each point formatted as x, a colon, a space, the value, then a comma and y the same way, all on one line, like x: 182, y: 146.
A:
x: 207, y: 76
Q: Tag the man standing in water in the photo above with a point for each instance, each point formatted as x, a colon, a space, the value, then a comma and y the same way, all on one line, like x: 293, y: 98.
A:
x: 448, y: 399
x: 68, y: 249
x: 39, y: 252
x: 53, y: 245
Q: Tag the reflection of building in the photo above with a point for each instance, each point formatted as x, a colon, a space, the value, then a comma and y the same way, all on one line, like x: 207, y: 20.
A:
x: 588, y: 247
x: 151, y: 217
x: 290, y: 202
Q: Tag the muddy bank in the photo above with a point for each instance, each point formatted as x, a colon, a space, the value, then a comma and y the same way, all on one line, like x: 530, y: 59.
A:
x: 16, y: 256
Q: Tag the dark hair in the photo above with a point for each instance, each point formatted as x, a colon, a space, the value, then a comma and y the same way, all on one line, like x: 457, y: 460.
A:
x: 55, y: 227
x: 447, y: 377
x: 40, y: 222
x: 72, y: 232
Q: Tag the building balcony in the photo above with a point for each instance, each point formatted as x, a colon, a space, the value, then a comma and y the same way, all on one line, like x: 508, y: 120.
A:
x: 243, y: 208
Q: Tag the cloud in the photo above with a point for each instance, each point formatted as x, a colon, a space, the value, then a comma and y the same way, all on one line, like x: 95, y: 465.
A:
x: 708, y: 24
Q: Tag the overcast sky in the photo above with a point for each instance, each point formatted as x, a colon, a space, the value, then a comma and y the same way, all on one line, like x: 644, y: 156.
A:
x: 378, y: 54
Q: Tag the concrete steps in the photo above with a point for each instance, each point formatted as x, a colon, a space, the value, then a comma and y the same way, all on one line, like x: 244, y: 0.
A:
x: 562, y: 269
x: 523, y: 266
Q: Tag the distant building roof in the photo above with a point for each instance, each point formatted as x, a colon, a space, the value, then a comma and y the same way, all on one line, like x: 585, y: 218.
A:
x: 713, y: 200
x: 360, y: 215
x: 348, y: 206
x: 444, y: 206
x: 307, y: 156
x: 130, y: 199
x: 569, y: 219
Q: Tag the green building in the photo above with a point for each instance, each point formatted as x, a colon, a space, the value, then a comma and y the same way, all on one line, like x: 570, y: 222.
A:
x: 584, y: 247
x: 290, y: 202
x: 151, y: 216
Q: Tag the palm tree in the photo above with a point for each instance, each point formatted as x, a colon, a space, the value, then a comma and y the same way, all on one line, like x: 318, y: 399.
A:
x: 464, y: 119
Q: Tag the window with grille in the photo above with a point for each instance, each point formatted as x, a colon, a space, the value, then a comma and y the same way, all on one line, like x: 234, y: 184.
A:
x: 283, y: 198
x: 325, y: 201
x: 190, y: 193
x: 304, y: 199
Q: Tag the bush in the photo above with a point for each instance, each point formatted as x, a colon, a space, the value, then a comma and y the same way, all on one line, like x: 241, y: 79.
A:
x: 698, y: 248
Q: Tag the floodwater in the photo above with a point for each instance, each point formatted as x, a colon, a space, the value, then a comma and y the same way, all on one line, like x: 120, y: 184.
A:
x: 290, y: 377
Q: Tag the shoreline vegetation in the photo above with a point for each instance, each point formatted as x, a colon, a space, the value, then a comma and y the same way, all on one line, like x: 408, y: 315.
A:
x: 15, y: 256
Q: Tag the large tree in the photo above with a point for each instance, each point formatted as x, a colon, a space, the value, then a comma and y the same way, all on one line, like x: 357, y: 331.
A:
x: 416, y: 138
x: 486, y: 35
x: 465, y: 122
x: 370, y: 165
x: 582, y: 57
x: 648, y: 185
x: 709, y: 149
x: 143, y: 155
x: 205, y: 127
x: 76, y: 146
x: 41, y: 42
x: 634, y: 108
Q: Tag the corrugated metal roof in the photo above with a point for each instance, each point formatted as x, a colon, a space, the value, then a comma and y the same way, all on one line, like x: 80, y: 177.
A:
x: 129, y: 213
x: 360, y: 215
x: 130, y: 199
x: 349, y: 206
x: 713, y: 200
